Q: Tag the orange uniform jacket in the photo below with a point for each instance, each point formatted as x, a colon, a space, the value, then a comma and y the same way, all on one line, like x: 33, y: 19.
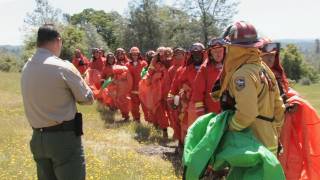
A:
x: 211, y: 74
x: 173, y: 113
x: 190, y: 85
x: 122, y: 83
x: 136, y: 74
x: 158, y: 83
x: 135, y: 71
x: 81, y: 67
x: 300, y: 137
x: 97, y: 64
x: 107, y: 71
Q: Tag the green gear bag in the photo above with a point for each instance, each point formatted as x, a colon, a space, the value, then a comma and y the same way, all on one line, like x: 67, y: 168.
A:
x: 209, y: 142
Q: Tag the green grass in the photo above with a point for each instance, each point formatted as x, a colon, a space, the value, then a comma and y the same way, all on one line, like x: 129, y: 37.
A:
x: 111, y: 152
x: 311, y: 93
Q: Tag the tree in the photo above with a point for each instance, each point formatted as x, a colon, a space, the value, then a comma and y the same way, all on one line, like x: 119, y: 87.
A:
x: 214, y: 15
x: 29, y: 46
x: 93, y: 38
x: 292, y: 62
x: 73, y: 38
x: 178, y: 29
x: 44, y: 13
x: 9, y: 62
x: 107, y: 25
x: 143, y: 25
x: 295, y: 65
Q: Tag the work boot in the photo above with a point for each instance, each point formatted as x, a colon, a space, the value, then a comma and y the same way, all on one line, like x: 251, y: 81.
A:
x: 179, y: 149
x: 165, y: 133
x: 137, y: 120
x: 125, y: 119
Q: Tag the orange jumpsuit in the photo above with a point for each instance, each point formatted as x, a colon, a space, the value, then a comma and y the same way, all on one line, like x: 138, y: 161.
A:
x: 93, y: 79
x: 120, y: 89
x: 173, y: 113
x: 135, y: 71
x: 122, y: 62
x: 104, y: 93
x: 107, y: 71
x: 81, y: 63
x: 158, y: 77
x: 300, y: 133
x: 190, y: 86
x: 146, y: 111
x: 97, y: 64
x: 211, y: 73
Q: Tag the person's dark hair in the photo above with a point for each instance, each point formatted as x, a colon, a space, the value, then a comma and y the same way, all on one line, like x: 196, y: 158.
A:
x: 47, y: 33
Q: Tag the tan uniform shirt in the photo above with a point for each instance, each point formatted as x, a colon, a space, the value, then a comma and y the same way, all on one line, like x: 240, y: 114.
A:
x: 255, y: 97
x: 50, y: 89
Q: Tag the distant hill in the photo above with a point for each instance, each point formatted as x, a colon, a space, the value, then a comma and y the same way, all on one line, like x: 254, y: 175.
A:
x: 306, y: 46
x: 15, y: 50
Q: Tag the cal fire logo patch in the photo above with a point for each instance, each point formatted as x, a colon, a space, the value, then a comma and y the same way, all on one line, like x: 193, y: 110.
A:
x: 240, y: 83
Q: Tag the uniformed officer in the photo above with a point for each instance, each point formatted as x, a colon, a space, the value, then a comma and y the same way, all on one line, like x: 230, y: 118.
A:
x: 249, y: 87
x: 50, y: 89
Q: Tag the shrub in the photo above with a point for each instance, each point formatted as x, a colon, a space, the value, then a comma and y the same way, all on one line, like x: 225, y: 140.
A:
x: 305, y: 81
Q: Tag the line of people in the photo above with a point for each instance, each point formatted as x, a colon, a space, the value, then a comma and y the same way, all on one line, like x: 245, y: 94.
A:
x: 172, y: 86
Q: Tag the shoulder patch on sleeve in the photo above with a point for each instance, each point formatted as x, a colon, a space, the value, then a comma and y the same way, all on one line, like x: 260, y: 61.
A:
x: 240, y: 83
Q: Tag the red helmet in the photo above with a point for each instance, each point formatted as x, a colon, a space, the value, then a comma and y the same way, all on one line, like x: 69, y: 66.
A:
x: 134, y: 50
x: 242, y: 33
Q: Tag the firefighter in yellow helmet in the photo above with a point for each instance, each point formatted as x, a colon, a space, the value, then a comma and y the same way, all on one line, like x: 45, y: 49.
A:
x: 249, y: 87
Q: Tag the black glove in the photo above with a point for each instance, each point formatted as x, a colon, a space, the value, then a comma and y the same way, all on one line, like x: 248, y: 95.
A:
x: 216, y: 86
x: 81, y: 63
x: 291, y: 107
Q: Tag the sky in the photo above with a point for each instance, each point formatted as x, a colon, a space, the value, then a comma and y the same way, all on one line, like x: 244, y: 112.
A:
x: 276, y: 19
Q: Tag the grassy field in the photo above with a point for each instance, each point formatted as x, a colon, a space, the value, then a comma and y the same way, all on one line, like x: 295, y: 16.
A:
x: 311, y: 93
x: 113, y: 151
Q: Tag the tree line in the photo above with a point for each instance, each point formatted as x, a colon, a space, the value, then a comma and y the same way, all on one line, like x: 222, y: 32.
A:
x: 148, y: 24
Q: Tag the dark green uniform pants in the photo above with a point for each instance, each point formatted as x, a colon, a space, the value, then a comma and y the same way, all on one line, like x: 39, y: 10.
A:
x: 58, y: 155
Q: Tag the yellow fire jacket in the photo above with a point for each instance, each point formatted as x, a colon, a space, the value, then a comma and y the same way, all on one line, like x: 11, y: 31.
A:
x: 258, y: 103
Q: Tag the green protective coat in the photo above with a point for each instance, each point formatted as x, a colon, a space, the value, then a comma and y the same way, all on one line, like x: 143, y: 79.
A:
x: 208, y: 142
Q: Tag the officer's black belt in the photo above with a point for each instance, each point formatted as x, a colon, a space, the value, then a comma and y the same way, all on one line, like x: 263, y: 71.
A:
x: 64, y: 126
x: 265, y: 118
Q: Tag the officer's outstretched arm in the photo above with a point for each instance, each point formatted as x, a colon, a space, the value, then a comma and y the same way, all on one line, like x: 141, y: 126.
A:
x: 78, y: 87
x: 243, y: 88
